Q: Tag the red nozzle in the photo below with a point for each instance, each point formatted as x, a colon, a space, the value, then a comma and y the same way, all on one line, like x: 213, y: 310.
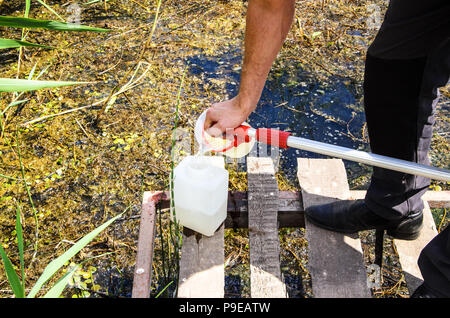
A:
x: 239, y: 135
x: 272, y: 137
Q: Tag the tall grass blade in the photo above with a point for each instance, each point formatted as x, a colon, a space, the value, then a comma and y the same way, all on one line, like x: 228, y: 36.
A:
x: 22, y: 85
x: 18, y: 22
x: 17, y: 102
x: 50, y: 9
x: 159, y: 294
x: 61, y: 284
x: 57, y: 263
x: 11, y: 274
x: 27, y: 8
x: 19, y: 234
x: 10, y: 43
x: 178, y: 238
x: 30, y: 76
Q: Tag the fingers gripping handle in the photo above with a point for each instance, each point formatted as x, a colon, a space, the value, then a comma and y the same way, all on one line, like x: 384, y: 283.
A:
x: 273, y: 137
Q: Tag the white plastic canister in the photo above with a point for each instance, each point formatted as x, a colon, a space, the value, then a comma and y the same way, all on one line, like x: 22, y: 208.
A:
x: 201, y: 193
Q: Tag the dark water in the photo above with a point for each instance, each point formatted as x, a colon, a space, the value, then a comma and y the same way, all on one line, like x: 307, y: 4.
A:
x: 294, y: 100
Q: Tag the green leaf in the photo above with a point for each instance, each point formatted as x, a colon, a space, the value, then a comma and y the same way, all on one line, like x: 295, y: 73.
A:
x: 20, y: 245
x: 61, y: 284
x: 27, y: 8
x: 22, y: 85
x: 13, y: 279
x: 18, y: 22
x: 57, y: 263
x: 30, y: 76
x: 10, y: 43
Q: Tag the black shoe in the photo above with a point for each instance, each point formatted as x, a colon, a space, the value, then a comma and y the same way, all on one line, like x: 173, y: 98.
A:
x: 424, y: 292
x: 351, y: 216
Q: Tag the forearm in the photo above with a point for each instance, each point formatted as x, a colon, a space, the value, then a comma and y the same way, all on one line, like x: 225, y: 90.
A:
x: 267, y: 25
x: 268, y: 22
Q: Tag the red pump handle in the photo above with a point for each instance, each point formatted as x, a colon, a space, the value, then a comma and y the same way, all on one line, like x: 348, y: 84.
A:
x: 272, y: 137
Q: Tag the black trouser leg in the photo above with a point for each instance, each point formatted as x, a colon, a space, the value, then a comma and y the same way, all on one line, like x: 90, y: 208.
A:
x: 396, y: 126
x: 400, y: 98
x: 434, y: 264
x: 434, y: 261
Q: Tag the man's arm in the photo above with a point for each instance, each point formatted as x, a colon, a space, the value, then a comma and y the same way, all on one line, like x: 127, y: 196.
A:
x: 267, y: 25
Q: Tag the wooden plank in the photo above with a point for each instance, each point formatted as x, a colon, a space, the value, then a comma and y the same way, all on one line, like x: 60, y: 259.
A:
x: 291, y: 201
x: 290, y: 206
x: 288, y: 201
x: 409, y: 251
x: 290, y: 210
x: 143, y: 269
x: 435, y: 199
x: 265, y: 272
x: 202, y: 265
x: 335, y: 260
x: 237, y: 201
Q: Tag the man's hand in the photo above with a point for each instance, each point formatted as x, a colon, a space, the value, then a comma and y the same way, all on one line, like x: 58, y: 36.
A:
x: 225, y: 115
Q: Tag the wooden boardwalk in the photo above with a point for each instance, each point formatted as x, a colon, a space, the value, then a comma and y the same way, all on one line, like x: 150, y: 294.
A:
x: 335, y: 260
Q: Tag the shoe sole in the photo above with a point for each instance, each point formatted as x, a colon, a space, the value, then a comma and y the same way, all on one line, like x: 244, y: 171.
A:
x: 329, y: 228
x: 403, y: 236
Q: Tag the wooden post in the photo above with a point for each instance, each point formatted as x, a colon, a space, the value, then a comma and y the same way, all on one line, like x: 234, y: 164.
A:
x: 143, y: 269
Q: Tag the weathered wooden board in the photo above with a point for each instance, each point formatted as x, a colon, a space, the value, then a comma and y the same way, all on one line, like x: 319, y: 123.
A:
x: 409, y: 251
x: 265, y: 272
x: 435, y: 199
x: 291, y: 201
x: 335, y: 260
x: 290, y: 206
x: 202, y: 266
x: 290, y: 210
x: 143, y: 269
